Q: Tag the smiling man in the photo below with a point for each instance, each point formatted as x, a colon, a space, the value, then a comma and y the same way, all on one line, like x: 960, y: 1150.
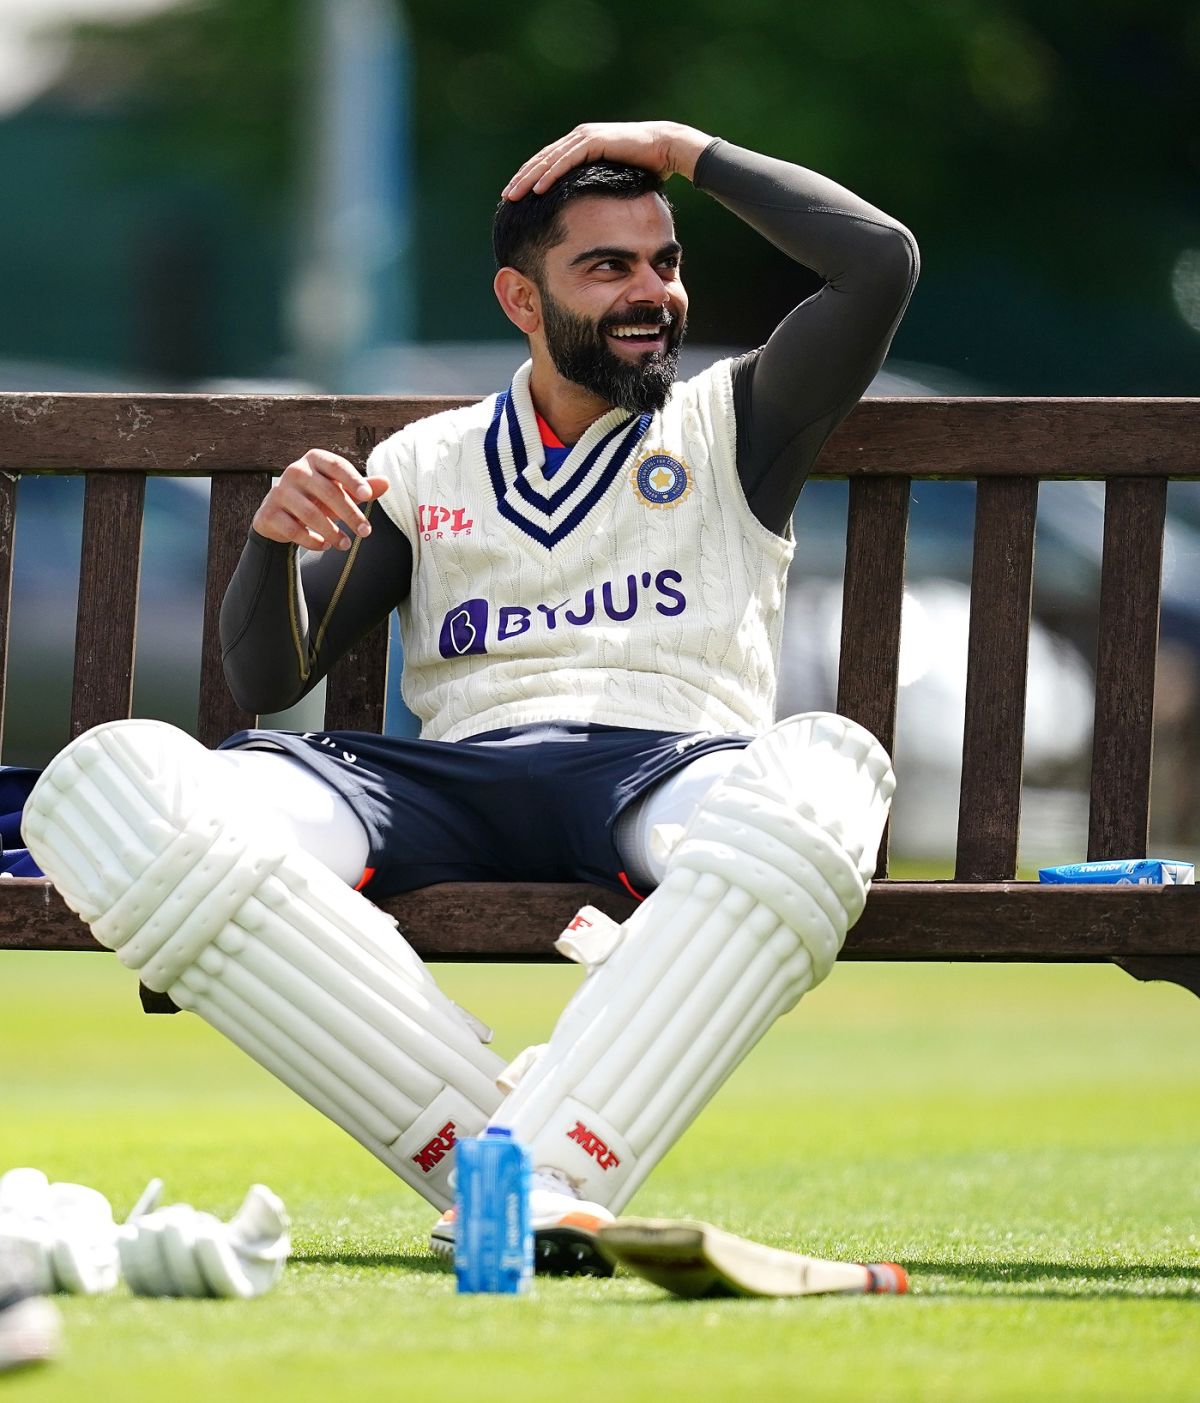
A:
x: 589, y: 568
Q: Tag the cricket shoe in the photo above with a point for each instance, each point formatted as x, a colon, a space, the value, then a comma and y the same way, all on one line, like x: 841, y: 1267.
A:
x: 30, y: 1325
x: 565, y: 1229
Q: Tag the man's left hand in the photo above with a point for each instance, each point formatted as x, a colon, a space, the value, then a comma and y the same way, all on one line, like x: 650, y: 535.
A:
x: 667, y: 148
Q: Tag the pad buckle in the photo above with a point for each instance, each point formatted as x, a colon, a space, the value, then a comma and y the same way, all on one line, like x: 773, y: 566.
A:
x: 589, y: 938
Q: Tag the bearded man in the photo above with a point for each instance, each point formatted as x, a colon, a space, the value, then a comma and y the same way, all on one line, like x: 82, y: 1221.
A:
x: 589, y: 568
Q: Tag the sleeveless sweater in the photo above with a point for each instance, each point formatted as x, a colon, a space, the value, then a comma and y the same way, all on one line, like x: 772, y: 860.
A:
x: 634, y: 588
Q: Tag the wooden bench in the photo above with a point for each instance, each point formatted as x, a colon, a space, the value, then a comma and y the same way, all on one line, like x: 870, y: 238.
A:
x: 1007, y: 445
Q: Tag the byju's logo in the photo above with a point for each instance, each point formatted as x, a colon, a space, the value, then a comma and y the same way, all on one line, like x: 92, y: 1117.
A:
x: 464, y: 630
x: 465, y: 627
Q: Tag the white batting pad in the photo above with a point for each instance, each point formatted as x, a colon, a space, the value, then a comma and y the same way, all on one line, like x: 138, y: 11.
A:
x: 197, y: 888
x: 769, y: 874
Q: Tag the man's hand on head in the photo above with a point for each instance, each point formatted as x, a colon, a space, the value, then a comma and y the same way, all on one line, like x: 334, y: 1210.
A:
x: 667, y: 148
x: 312, y: 496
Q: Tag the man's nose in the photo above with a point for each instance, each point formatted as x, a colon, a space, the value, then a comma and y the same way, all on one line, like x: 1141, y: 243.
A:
x: 647, y: 286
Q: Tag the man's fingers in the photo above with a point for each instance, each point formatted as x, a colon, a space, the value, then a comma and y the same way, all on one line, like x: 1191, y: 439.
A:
x: 331, y: 465
x: 334, y: 483
x: 558, y: 157
x: 291, y: 517
x: 636, y: 142
x: 326, y: 497
x: 312, y: 496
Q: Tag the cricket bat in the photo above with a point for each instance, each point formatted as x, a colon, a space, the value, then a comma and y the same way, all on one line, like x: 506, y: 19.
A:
x: 697, y: 1260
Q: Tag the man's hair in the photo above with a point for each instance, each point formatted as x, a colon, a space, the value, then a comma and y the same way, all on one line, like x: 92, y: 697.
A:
x: 523, y: 231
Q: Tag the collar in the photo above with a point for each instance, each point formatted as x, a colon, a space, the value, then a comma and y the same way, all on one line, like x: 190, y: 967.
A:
x: 548, y: 511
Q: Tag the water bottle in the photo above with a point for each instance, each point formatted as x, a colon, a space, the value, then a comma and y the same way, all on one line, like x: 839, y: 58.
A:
x: 493, y: 1239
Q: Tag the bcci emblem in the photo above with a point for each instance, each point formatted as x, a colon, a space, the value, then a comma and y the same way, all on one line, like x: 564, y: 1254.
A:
x: 660, y: 480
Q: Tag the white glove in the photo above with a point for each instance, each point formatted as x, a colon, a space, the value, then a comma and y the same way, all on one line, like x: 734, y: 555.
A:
x: 65, y: 1232
x: 179, y: 1251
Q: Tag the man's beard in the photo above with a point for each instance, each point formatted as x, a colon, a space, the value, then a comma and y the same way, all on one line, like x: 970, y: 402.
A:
x: 580, y: 352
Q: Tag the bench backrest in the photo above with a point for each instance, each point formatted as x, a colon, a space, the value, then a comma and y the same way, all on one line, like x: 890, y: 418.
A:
x: 1007, y: 445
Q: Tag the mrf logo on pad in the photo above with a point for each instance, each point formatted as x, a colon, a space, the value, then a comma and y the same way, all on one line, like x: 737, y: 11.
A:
x: 591, y: 1144
x: 428, y: 1158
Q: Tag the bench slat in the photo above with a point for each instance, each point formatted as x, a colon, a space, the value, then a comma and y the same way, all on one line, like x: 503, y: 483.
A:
x: 1126, y: 654
x: 356, y: 689
x: 989, y: 809
x: 8, y: 514
x: 106, y: 618
x: 1001, y: 921
x: 872, y: 597
x: 949, y: 437
x: 197, y: 434
x: 233, y: 501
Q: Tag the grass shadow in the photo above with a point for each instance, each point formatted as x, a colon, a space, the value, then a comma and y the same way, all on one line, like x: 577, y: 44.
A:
x: 1142, y: 1281
x: 383, y: 1261
x: 1129, y: 1281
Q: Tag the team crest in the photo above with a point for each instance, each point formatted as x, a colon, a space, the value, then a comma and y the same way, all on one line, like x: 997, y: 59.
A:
x: 660, y: 480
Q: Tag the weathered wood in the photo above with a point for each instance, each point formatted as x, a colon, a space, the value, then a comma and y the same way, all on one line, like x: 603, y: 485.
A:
x: 872, y: 600
x: 196, y: 434
x: 989, y: 808
x: 946, y: 437
x: 240, y: 440
x: 1001, y: 921
x: 1183, y: 970
x: 106, y: 618
x: 356, y: 688
x: 8, y: 516
x: 232, y: 503
x: 1126, y: 654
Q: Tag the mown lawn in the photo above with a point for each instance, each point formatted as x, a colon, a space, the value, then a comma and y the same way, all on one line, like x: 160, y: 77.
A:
x: 1024, y: 1139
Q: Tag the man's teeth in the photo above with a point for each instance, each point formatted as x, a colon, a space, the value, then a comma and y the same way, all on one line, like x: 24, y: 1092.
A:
x: 637, y: 331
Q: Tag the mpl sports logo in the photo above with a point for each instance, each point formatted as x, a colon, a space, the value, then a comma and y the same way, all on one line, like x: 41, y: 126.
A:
x: 436, y: 522
x: 468, y: 628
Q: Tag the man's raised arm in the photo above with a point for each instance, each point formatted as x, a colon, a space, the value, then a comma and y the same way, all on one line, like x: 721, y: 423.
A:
x: 790, y: 394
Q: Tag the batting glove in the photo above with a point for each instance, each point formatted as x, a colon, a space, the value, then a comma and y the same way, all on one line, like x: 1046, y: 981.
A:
x: 64, y: 1232
x: 179, y: 1251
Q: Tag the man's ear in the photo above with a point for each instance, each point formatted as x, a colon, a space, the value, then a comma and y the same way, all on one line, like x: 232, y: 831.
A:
x: 518, y: 297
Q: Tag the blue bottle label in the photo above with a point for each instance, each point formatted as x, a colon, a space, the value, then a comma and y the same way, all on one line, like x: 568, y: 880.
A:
x: 493, y: 1242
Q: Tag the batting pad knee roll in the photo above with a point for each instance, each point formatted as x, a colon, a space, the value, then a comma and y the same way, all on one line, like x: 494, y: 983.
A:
x: 759, y: 892
x: 199, y: 891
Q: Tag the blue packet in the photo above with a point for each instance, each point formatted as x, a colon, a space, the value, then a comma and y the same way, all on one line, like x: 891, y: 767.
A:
x: 1128, y: 872
x: 493, y: 1236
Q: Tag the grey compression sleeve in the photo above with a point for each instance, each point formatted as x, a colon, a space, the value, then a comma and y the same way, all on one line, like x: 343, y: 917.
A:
x: 792, y: 393
x: 287, y: 617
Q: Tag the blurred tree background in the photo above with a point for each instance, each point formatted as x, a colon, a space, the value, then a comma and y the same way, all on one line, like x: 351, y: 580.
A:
x: 1046, y: 155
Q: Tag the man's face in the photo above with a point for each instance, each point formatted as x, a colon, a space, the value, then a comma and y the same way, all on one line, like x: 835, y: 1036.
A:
x: 614, y: 309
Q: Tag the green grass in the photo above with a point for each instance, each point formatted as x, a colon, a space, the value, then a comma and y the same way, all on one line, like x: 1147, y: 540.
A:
x: 1024, y: 1139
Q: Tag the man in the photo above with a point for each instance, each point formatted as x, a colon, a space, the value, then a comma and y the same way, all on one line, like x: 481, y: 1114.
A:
x: 589, y: 568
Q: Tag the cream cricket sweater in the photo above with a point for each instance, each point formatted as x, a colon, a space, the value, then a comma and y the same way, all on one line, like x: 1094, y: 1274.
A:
x: 633, y: 588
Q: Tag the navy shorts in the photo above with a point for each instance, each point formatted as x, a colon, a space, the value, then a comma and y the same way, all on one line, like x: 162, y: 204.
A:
x: 527, y: 803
